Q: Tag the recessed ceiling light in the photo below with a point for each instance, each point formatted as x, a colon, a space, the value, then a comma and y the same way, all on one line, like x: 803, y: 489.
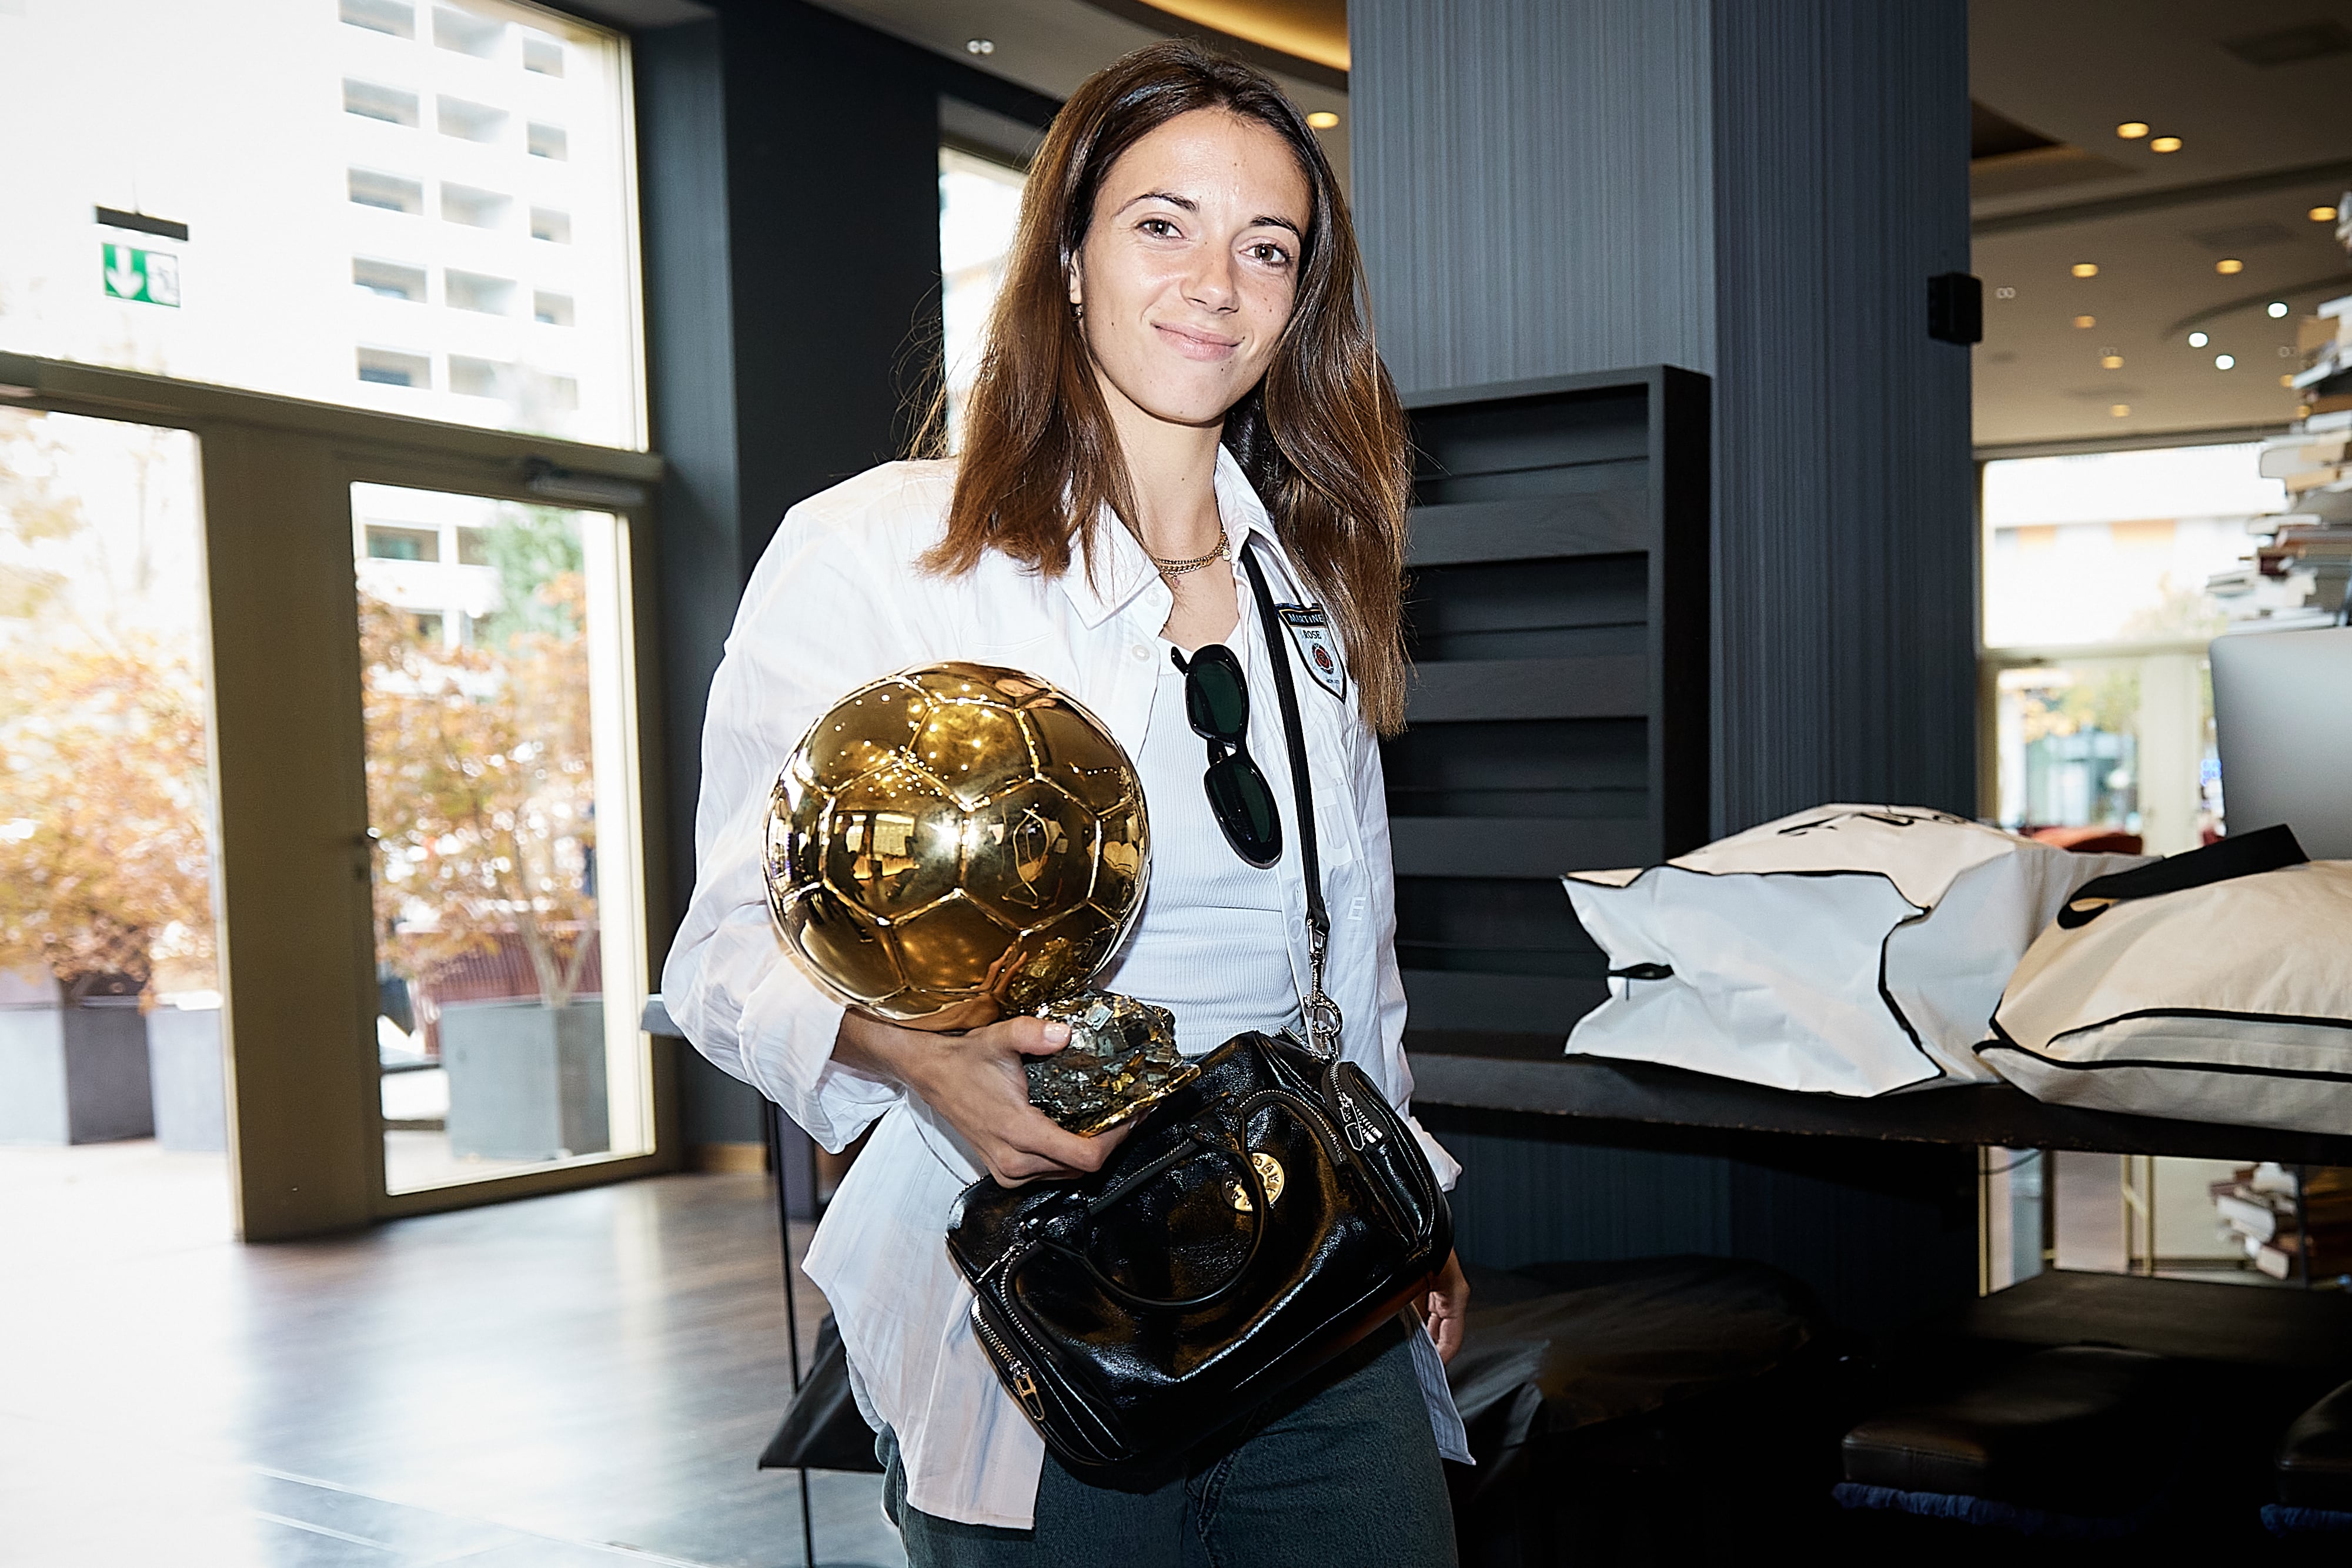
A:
x: 2224, y: 362
x: 2085, y: 269
x: 2229, y: 266
x: 2120, y: 410
x: 2197, y: 339
x: 2132, y: 130
x: 2274, y: 310
x: 2321, y: 214
x: 979, y: 45
x: 2086, y: 320
x: 1322, y: 120
x: 2165, y: 144
x: 2111, y: 362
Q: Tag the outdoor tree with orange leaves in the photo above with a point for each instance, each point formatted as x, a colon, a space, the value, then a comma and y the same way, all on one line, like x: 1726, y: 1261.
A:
x: 105, y: 797
x: 480, y: 783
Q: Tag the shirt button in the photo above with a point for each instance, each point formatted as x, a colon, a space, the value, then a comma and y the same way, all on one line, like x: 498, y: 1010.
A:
x: 1139, y: 651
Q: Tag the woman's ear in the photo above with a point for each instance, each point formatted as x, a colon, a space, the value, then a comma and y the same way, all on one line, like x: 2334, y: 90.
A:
x: 1070, y: 276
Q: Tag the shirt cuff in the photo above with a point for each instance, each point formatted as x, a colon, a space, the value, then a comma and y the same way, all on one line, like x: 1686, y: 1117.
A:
x: 1443, y: 1165
x: 787, y: 1032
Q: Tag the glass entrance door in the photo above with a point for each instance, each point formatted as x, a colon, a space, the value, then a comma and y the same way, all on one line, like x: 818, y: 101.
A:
x: 496, y: 677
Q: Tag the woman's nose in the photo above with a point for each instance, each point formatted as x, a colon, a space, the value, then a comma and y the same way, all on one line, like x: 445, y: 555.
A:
x: 1210, y: 286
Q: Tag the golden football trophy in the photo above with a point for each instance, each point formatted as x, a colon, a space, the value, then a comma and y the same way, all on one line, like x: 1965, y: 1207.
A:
x: 959, y: 842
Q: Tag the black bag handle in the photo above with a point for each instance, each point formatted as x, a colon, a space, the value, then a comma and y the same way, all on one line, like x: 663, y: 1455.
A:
x: 1318, y: 1012
x: 1260, y: 1212
x: 2239, y: 854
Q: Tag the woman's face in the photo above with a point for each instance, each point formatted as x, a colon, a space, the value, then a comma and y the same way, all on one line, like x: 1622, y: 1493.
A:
x: 1191, y: 264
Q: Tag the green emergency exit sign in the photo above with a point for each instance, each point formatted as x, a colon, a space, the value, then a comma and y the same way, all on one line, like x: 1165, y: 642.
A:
x: 149, y: 276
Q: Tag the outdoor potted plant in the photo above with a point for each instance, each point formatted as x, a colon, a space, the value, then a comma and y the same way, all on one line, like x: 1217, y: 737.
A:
x: 104, y: 875
x: 481, y: 790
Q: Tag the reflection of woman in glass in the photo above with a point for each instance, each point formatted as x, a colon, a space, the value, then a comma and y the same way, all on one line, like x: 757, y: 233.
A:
x: 1179, y: 370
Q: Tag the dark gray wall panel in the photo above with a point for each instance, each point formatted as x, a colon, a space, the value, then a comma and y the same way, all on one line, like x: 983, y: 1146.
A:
x: 1522, y: 180
x: 1845, y: 569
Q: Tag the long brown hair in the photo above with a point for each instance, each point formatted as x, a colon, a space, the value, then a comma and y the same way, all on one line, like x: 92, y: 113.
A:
x: 1322, y: 436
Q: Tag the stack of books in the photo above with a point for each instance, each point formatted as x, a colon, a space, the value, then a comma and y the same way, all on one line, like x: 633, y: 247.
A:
x: 2259, y: 1210
x: 2301, y: 569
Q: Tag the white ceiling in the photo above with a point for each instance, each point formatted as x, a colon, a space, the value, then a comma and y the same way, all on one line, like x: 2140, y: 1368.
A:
x: 2155, y: 224
x: 1052, y: 46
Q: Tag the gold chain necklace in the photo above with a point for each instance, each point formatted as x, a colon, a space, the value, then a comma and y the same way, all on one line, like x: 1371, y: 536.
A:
x: 1179, y: 567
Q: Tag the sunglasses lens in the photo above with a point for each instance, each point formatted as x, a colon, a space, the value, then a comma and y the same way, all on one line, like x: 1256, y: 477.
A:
x: 1245, y: 808
x: 1216, y: 702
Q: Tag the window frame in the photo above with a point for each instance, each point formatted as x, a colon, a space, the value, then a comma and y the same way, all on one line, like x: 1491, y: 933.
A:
x: 294, y: 859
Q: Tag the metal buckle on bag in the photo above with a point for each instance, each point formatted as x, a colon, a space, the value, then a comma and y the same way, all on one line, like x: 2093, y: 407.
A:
x: 1318, y: 1013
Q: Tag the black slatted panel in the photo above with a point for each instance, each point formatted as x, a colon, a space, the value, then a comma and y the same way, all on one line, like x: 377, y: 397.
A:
x: 1557, y: 721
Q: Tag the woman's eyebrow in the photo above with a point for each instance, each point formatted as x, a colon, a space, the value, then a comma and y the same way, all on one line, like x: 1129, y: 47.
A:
x: 1189, y: 205
x: 1173, y: 200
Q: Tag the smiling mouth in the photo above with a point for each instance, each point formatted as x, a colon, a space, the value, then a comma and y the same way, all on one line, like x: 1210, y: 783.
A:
x: 1195, y: 344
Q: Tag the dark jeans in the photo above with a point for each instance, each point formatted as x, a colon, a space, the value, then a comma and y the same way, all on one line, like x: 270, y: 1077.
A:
x: 1341, y: 1472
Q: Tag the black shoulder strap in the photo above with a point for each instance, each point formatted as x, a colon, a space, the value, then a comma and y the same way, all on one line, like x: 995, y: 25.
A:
x: 1270, y: 623
x: 2238, y: 854
x: 1319, y: 1014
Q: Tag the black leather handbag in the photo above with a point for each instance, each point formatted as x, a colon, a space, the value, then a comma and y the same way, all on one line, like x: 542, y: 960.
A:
x: 1258, y: 1222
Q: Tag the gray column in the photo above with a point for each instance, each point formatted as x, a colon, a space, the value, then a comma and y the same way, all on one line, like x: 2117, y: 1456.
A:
x: 1755, y: 190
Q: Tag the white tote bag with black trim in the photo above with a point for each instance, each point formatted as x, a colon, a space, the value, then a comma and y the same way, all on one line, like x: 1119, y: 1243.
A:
x: 1845, y: 950
x: 2213, y: 987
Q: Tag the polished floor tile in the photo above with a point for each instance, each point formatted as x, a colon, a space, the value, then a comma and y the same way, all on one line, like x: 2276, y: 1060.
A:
x: 581, y: 1379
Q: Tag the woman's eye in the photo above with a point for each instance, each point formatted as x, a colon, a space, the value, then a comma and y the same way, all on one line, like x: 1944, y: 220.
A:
x: 1158, y: 228
x: 1269, y: 255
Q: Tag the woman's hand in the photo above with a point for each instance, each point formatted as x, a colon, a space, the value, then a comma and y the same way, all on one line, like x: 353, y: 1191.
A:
x: 1447, y: 1303
x: 974, y: 1079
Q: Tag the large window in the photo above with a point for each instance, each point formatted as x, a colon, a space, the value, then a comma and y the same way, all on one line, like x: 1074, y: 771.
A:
x: 495, y: 669
x: 420, y: 207
x: 2095, y: 622
x: 979, y: 201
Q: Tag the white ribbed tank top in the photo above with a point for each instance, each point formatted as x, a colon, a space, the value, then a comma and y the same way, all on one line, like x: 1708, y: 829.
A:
x: 1211, y: 945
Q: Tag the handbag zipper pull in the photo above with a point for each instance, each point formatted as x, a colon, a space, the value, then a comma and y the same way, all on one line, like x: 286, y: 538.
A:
x: 1024, y: 1388
x: 1362, y: 1131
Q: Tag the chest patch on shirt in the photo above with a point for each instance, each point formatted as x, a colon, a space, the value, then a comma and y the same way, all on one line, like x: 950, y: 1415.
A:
x: 1318, y: 649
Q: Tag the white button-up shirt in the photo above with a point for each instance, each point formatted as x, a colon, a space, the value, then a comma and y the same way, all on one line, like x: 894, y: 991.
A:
x: 837, y: 600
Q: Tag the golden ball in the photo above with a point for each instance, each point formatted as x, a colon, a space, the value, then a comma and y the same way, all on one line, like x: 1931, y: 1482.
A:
x: 956, y: 841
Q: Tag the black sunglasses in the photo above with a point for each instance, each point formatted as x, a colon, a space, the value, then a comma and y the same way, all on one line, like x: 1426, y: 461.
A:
x: 1216, y: 702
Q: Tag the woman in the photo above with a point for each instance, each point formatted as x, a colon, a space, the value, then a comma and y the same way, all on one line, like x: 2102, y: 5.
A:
x: 1178, y: 370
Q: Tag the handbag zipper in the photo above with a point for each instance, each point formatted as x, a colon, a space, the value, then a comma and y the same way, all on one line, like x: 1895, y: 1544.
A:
x: 1024, y: 1384
x: 1362, y: 1131
x: 1025, y: 1380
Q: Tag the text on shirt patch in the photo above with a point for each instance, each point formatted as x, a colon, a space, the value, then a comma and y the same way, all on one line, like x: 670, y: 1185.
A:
x: 1312, y: 629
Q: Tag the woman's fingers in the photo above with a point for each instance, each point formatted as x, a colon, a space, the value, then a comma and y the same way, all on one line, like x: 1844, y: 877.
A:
x: 1448, y: 1301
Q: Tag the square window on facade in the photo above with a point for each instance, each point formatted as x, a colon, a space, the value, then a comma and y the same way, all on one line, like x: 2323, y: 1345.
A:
x: 549, y: 142
x: 389, y: 280
x: 474, y: 208
x: 552, y: 310
x: 469, y: 377
x: 472, y: 291
x: 541, y: 53
x: 470, y: 122
x: 549, y: 224
x: 564, y: 392
x: 391, y: 541
x: 466, y: 32
x: 391, y: 193
x: 393, y: 367
x: 474, y: 546
x: 373, y: 100
x: 396, y: 17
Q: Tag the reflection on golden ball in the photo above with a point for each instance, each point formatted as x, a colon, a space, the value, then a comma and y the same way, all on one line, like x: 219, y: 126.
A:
x: 954, y: 841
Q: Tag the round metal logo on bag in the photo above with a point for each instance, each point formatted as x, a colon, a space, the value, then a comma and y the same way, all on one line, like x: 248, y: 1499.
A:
x: 1269, y: 1177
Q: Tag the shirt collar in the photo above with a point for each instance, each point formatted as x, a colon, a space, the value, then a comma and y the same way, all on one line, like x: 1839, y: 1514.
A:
x: 1127, y: 570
